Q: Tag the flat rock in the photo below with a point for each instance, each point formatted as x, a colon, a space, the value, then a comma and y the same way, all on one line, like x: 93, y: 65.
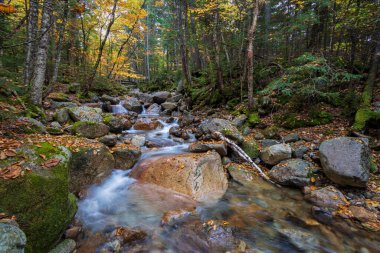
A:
x: 147, y: 124
x: 90, y: 129
x: 170, y: 106
x: 199, y: 147
x: 200, y: 176
x: 85, y: 113
x: 226, y: 127
x: 160, y: 97
x: 328, y: 197
x: 346, y: 161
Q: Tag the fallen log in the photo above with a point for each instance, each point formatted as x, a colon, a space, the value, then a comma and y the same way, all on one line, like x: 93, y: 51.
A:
x: 244, y: 156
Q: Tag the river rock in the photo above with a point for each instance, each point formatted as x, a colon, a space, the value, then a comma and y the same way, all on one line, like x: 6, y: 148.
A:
x: 147, y: 124
x: 211, y: 126
x: 268, y: 142
x: 240, y: 175
x: 90, y: 129
x: 160, y: 97
x: 85, y: 113
x: 175, y: 98
x: 300, y: 151
x: 59, y: 97
x: 62, y: 115
x: 304, y: 241
x: 293, y: 172
x: 200, y: 176
x: 272, y: 155
x: 40, y: 199
x: 126, y: 158
x: 240, y: 120
x: 109, y: 140
x: 12, y: 239
x: 170, y: 106
x: 346, y: 161
x: 198, y: 147
x: 133, y: 104
x: 89, y: 166
x: 117, y: 124
x: 362, y: 214
x: 251, y: 148
x: 112, y: 100
x: 154, y: 109
x: 30, y: 126
x: 271, y: 132
x: 56, y: 105
x: 138, y: 140
x: 67, y: 246
x: 328, y: 197
x: 291, y: 138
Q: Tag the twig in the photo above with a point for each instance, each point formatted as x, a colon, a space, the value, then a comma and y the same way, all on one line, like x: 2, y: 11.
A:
x: 243, y: 155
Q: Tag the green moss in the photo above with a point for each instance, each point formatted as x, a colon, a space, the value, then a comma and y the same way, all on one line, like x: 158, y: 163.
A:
x: 40, y: 199
x: 271, y: 132
x: 251, y: 148
x: 233, y: 102
x: 292, y: 121
x: 362, y: 117
x: 253, y: 119
x: 82, y: 123
x: 59, y: 97
x: 107, y: 118
x: 372, y: 165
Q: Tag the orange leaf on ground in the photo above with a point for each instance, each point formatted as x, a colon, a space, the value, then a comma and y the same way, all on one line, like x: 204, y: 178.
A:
x: 10, y: 172
x: 51, y: 163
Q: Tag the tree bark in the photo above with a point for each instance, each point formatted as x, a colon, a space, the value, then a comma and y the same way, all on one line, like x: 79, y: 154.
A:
x: 42, y: 54
x: 60, y: 41
x: 31, y: 41
x: 91, y: 79
x: 250, y: 53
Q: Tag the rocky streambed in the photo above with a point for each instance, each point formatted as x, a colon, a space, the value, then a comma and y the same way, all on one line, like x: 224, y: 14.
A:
x: 149, y: 176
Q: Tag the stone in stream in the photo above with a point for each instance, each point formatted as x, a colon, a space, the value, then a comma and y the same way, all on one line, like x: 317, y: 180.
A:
x: 112, y: 100
x: 169, y: 106
x: 200, y: 176
x: 147, y: 124
x: 293, y: 172
x: 85, y: 113
x: 126, y: 158
x: 223, y: 126
x: 90, y: 165
x: 175, y: 98
x: 89, y: 129
x: 272, y: 155
x: 304, y: 241
x: 117, y: 124
x: 40, y: 198
x: 109, y: 140
x: 12, y: 239
x: 138, y: 140
x: 67, y: 246
x: 346, y: 161
x: 132, y: 104
x: 154, y: 109
x: 160, y: 97
x: 199, y: 147
x: 328, y: 197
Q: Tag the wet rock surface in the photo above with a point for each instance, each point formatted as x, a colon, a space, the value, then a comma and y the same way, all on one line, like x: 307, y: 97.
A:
x: 293, y: 172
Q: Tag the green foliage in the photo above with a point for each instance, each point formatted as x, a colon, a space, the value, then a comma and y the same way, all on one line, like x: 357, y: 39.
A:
x: 253, y: 119
x: 315, y: 117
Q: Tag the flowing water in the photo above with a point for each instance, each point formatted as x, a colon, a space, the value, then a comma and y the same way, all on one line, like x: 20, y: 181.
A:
x: 260, y: 213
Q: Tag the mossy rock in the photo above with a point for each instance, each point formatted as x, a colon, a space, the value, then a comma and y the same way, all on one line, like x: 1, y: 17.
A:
x: 253, y: 119
x: 40, y: 199
x: 30, y: 126
x: 59, y: 97
x: 251, y: 148
x: 272, y: 132
x: 89, y: 129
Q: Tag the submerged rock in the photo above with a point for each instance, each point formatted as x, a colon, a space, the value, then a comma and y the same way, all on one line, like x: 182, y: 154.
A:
x: 293, y: 172
x: 12, y: 239
x: 346, y: 161
x: 304, y: 241
x: 197, y: 175
x: 272, y: 155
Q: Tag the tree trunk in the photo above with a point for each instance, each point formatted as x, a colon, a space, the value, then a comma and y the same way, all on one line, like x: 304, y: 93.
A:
x: 42, y: 53
x: 91, y: 79
x: 181, y: 35
x: 31, y: 40
x: 60, y: 41
x: 250, y: 53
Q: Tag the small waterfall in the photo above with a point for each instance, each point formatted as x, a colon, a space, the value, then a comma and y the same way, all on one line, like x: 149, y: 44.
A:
x: 119, y: 109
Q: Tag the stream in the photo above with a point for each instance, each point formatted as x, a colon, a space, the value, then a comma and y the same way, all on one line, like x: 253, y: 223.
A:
x: 263, y: 218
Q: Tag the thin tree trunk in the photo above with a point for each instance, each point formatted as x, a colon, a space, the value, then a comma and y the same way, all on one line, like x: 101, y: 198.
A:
x: 60, y: 41
x: 42, y: 54
x: 250, y: 53
x: 100, y: 53
x: 31, y: 41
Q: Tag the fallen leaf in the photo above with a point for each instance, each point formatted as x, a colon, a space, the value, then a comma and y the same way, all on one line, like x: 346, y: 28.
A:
x: 43, y: 156
x: 10, y: 152
x: 10, y: 172
x: 51, y: 163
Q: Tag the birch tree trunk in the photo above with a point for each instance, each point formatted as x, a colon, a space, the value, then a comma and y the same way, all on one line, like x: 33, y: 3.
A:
x: 250, y: 53
x: 60, y: 42
x: 42, y: 53
x: 31, y: 40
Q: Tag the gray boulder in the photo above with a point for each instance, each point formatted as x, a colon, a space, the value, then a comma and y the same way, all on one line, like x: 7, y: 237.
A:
x: 85, y: 113
x: 328, y: 197
x: 160, y: 97
x: 133, y: 104
x: 109, y: 140
x: 12, y: 239
x: 293, y: 172
x: 117, y: 124
x: 346, y: 161
x: 126, y: 158
x: 138, y: 140
x: 67, y: 246
x: 112, y: 100
x: 154, y: 109
x: 170, y: 106
x: 291, y: 138
x: 90, y: 129
x: 240, y: 120
x: 30, y: 125
x: 226, y: 127
x: 272, y: 155
x: 198, y: 147
x: 300, y: 151
x: 62, y: 115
